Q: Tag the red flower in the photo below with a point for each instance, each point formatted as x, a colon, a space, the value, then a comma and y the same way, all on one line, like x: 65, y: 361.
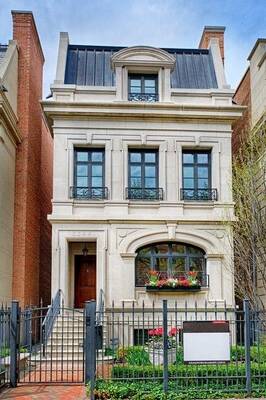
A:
x: 153, y: 273
x: 173, y: 331
x: 185, y: 282
x: 162, y: 282
x: 156, y: 332
x: 193, y: 274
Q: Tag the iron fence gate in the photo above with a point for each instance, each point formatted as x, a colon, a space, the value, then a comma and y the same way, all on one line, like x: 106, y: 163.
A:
x: 125, y: 343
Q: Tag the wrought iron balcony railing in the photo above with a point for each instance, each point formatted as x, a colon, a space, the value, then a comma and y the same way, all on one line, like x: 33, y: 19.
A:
x: 89, y: 193
x: 144, y: 193
x: 199, y: 194
x: 149, y: 97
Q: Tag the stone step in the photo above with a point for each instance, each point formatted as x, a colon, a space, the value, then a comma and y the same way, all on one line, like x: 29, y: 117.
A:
x: 64, y: 358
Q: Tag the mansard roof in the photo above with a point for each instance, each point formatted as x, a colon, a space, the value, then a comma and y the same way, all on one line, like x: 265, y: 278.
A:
x: 91, y: 65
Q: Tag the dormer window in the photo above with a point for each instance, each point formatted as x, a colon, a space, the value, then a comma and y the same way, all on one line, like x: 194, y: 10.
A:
x: 142, y: 87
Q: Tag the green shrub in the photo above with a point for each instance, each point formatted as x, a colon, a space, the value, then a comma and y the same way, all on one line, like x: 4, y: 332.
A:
x: 185, y: 375
x: 136, y: 355
x: 154, y: 391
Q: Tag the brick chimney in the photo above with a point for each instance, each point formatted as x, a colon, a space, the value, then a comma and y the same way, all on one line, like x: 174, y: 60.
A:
x: 26, y: 249
x: 212, y: 32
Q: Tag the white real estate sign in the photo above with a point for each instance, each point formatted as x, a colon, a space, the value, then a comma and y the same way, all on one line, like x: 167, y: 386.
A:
x: 206, y: 341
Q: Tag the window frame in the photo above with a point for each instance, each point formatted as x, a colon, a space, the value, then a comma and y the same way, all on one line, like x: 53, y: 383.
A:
x: 142, y: 77
x: 170, y: 255
x: 89, y: 163
x: 195, y: 165
x: 143, y: 164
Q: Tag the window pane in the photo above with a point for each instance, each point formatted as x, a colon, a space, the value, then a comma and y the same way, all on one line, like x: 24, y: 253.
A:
x: 82, y: 170
x: 135, y: 182
x: 97, y: 170
x: 203, y: 183
x: 188, y: 183
x: 96, y: 182
x: 135, y: 82
x: 82, y: 182
x: 202, y: 158
x: 161, y: 264
x: 178, y: 248
x: 203, y: 172
x: 162, y: 248
x: 188, y: 158
x: 150, y: 157
x: 149, y: 90
x: 135, y: 157
x: 150, y: 183
x: 135, y: 171
x: 82, y: 156
x: 96, y: 156
x: 188, y: 172
x: 146, y: 251
x: 143, y: 267
x: 178, y: 265
x: 150, y: 172
x: 194, y: 250
x: 150, y: 83
x: 135, y: 89
x: 196, y: 264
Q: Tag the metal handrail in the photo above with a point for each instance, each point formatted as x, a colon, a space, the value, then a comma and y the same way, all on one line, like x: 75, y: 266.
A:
x: 89, y: 193
x: 143, y: 193
x: 148, y: 97
x: 52, y: 313
x: 100, y: 309
x: 199, y: 194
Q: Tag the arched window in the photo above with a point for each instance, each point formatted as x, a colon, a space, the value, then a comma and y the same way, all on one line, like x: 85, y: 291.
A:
x: 170, y: 259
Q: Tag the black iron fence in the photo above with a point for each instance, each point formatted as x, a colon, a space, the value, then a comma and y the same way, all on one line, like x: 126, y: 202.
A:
x: 126, y: 343
x: 148, y: 344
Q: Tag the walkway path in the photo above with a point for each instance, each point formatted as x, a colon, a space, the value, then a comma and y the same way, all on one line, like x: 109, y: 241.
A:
x: 44, y: 392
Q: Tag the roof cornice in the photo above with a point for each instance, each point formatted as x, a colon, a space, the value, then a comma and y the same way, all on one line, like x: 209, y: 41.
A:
x: 120, y: 110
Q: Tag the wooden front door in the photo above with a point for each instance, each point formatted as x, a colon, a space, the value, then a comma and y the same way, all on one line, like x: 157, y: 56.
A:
x: 85, y: 279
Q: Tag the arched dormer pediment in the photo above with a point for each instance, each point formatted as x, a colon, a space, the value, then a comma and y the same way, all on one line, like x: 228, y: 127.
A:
x: 142, y: 56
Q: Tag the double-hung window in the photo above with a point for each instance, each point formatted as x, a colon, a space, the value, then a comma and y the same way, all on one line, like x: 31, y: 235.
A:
x: 143, y: 175
x: 197, y: 176
x: 89, y: 174
x: 142, y: 87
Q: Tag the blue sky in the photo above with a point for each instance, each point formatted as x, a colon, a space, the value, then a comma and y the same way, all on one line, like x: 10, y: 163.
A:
x: 160, y: 23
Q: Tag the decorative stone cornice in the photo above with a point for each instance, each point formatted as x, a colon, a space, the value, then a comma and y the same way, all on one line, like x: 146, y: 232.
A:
x: 171, y: 111
x: 142, y: 56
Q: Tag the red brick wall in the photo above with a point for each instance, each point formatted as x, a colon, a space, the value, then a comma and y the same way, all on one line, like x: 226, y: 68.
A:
x: 28, y: 208
x: 242, y: 125
x: 207, y: 36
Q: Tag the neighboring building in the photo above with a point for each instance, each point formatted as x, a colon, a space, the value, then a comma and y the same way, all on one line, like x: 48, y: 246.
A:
x: 10, y: 138
x: 26, y: 169
x: 251, y: 92
x: 142, y: 171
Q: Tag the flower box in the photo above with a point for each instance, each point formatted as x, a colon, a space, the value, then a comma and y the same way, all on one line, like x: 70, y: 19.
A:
x: 194, y: 288
x: 156, y: 356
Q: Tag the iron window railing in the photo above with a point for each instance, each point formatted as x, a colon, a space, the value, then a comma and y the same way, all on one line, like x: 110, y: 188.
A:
x: 144, y: 193
x: 199, y: 194
x: 148, y: 97
x: 88, y: 193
